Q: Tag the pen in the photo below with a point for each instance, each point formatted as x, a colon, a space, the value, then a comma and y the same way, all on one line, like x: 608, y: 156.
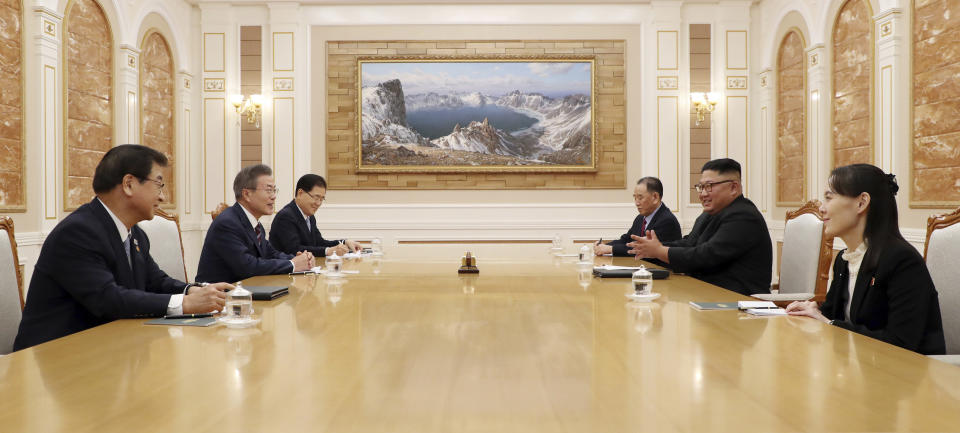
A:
x: 302, y: 272
x: 189, y: 316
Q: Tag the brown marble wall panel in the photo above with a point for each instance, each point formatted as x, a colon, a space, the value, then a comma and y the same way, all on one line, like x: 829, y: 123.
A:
x: 11, y: 107
x: 89, y: 88
x: 156, y: 89
x: 852, y: 84
x: 936, y: 103
x: 791, y: 116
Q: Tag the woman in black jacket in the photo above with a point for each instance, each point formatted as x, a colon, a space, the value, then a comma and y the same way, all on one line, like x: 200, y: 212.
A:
x: 881, y: 287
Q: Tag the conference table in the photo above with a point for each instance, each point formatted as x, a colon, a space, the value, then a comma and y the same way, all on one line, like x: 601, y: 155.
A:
x: 537, y: 345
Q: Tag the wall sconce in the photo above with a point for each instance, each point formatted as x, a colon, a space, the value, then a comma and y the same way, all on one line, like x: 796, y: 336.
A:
x: 250, y: 107
x: 704, y: 103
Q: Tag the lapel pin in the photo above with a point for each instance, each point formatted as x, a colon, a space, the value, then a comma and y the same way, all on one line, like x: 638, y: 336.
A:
x: 136, y: 244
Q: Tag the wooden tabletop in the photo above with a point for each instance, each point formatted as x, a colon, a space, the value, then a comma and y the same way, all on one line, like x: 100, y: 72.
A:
x: 409, y: 346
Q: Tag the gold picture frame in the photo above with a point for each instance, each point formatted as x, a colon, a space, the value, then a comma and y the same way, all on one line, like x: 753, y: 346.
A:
x: 547, y: 132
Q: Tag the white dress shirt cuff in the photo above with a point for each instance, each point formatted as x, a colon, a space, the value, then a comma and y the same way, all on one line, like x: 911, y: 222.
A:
x: 176, y: 305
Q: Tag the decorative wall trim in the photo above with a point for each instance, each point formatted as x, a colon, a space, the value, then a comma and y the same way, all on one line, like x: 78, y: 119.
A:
x: 283, y: 84
x: 736, y: 64
x: 668, y: 83
x: 664, y: 38
x: 50, y: 28
x: 213, y: 84
x: 211, y: 62
x: 735, y: 82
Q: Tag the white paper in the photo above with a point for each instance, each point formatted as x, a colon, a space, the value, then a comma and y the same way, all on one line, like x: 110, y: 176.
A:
x: 784, y: 296
x: 354, y: 255
x: 743, y: 305
x: 319, y: 269
x: 613, y: 268
x: 349, y: 271
x: 767, y: 311
x: 567, y: 255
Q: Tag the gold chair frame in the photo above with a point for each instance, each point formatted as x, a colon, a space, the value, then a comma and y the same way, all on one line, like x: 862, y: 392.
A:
x: 6, y: 223
x: 176, y: 220
x: 826, y: 249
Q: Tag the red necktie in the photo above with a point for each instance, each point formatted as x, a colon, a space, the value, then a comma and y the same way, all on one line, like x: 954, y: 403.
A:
x: 257, y: 229
x: 643, y: 228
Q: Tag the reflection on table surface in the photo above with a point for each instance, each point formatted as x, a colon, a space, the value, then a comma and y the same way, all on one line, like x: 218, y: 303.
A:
x: 538, y: 345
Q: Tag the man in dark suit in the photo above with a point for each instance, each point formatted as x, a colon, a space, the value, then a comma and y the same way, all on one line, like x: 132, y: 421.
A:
x: 729, y: 244
x: 295, y: 226
x: 95, y: 266
x: 236, y: 245
x: 654, y: 215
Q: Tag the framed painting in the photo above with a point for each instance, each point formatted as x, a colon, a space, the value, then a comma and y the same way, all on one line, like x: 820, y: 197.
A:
x: 443, y: 114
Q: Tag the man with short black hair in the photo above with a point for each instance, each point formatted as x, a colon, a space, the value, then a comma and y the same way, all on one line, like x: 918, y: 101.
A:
x: 654, y: 215
x: 236, y: 245
x: 95, y: 266
x: 295, y: 226
x: 729, y: 244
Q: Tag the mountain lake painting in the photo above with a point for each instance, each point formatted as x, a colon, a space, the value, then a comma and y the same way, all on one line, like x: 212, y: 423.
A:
x: 476, y: 115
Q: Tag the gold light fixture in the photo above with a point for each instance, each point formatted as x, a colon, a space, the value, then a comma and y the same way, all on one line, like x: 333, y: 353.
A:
x: 250, y: 107
x: 704, y: 103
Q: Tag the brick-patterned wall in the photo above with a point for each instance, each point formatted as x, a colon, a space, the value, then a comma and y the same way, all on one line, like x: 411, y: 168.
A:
x: 700, y: 136
x: 852, y: 84
x: 936, y: 101
x: 11, y: 108
x: 156, y: 98
x: 89, y: 131
x: 251, y: 137
x: 341, y: 130
x: 791, y: 117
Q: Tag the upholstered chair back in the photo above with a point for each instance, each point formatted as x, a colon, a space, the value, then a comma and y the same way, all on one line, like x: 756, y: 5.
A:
x: 805, y: 255
x: 166, y: 244
x: 11, y: 287
x: 943, y: 260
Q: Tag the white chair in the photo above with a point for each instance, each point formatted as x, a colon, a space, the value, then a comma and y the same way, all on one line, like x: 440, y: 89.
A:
x: 804, y: 258
x: 166, y: 244
x: 11, y: 288
x: 941, y: 252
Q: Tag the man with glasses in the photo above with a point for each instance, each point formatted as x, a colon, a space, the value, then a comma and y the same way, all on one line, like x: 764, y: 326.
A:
x: 295, y: 226
x: 729, y: 244
x: 95, y: 265
x: 654, y: 215
x: 236, y: 245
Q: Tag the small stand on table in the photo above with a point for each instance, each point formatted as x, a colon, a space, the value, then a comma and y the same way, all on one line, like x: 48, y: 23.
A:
x: 468, y: 265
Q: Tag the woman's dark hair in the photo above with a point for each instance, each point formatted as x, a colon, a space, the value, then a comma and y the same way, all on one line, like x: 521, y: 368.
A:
x: 882, y: 226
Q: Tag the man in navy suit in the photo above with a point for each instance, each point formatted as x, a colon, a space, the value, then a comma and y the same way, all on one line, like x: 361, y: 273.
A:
x: 654, y: 215
x: 236, y: 245
x: 295, y: 226
x: 95, y: 266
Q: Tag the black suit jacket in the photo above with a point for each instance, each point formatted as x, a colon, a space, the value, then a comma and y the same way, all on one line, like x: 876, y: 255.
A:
x: 895, y: 302
x: 664, y: 223
x: 83, y: 279
x: 731, y: 249
x: 231, y: 253
x: 289, y: 233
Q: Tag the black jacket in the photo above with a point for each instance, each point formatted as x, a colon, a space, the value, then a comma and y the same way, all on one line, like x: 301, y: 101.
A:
x: 83, y: 279
x: 895, y: 302
x: 230, y: 251
x: 289, y: 233
x: 731, y: 249
x: 664, y: 223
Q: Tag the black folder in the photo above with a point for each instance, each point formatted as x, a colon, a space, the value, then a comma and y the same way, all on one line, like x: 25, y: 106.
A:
x: 658, y: 274
x: 267, y: 293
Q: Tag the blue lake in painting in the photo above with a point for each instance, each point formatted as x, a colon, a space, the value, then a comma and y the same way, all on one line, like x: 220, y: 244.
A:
x: 436, y: 123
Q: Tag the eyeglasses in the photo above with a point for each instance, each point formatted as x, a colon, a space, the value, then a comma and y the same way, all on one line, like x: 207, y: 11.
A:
x: 708, y: 186
x: 271, y: 191
x: 159, y: 183
x: 317, y: 198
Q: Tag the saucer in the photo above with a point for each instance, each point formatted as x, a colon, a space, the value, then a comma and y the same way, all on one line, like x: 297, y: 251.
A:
x: 642, y: 298
x: 238, y: 323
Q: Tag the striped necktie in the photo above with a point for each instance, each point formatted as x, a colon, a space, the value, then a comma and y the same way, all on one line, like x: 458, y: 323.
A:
x: 126, y: 249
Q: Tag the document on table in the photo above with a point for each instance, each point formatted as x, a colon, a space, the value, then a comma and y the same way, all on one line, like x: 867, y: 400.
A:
x: 745, y: 305
x: 767, y: 311
x: 613, y: 268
